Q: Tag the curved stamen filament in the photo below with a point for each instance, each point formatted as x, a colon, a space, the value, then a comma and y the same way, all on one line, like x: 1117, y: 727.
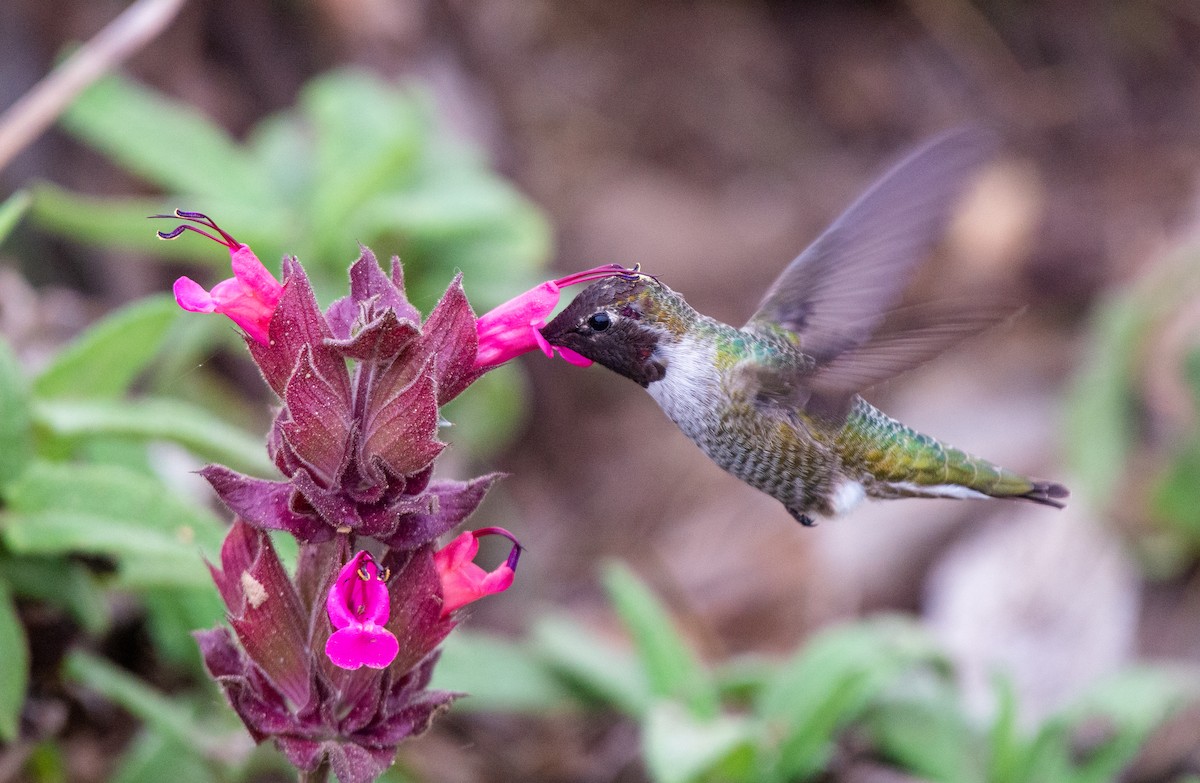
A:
x: 203, y: 220
x: 514, y: 554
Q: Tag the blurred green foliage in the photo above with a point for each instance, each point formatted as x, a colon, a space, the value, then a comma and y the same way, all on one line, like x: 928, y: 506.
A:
x: 88, y: 518
x: 356, y: 161
x: 921, y: 726
x: 882, y: 681
x: 1134, y: 457
x: 84, y: 514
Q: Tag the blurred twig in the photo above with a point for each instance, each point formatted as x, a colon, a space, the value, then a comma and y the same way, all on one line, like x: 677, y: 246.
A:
x: 38, y: 108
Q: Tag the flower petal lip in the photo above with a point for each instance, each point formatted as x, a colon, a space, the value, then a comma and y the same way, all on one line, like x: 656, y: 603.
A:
x: 355, y: 647
x: 463, y: 582
x: 192, y: 297
x: 248, y: 299
x: 511, y: 329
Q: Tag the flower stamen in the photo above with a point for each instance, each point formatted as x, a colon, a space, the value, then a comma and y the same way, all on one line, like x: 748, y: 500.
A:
x: 225, y: 239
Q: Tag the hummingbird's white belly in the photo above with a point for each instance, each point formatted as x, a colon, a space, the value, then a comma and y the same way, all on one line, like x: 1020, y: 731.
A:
x: 689, y: 392
x: 724, y: 425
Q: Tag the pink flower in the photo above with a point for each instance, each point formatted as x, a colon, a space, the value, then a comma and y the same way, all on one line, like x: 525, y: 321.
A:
x: 248, y: 298
x: 464, y: 582
x: 358, y: 606
x: 512, y: 328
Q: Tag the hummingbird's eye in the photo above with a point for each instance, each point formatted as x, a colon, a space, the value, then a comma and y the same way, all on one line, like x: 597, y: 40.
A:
x: 598, y: 322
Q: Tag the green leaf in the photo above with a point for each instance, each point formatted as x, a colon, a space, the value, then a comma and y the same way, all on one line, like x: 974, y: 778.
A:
x: 1176, y: 498
x: 122, y: 224
x: 17, y: 448
x: 155, y: 538
x: 367, y: 135
x: 166, y: 715
x: 1134, y: 702
x: 495, y: 236
x: 158, y: 419
x: 11, y: 212
x: 14, y: 674
x: 356, y: 160
x: 449, y: 207
x: 164, y: 141
x: 1103, y: 408
x: 1137, y: 699
x: 153, y: 757
x: 108, y: 357
x: 46, y: 763
x: 1101, y: 405
x: 679, y: 748
x: 486, y: 418
x: 496, y: 674
x: 1007, y: 749
x: 61, y: 582
x: 1048, y: 756
x: 1127, y: 706
x: 927, y: 734
x: 740, y: 680
x: 104, y: 221
x: 592, y: 664
x: 172, y: 613
x: 829, y: 684
x: 671, y: 668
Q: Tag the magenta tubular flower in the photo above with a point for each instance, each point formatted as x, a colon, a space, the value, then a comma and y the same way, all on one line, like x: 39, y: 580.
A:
x: 358, y: 608
x: 248, y: 299
x: 511, y: 329
x: 463, y: 582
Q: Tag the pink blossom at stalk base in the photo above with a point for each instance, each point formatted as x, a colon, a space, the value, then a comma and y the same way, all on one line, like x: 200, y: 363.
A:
x: 248, y: 299
x: 511, y: 329
x: 464, y: 582
x: 358, y: 606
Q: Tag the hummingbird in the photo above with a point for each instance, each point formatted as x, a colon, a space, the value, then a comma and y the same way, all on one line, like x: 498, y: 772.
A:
x: 777, y: 402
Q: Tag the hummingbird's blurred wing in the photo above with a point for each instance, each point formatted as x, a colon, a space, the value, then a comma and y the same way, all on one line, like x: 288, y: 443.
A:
x: 906, y: 338
x: 835, y: 293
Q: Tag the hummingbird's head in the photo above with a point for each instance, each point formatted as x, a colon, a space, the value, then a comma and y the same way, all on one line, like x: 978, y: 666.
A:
x: 621, y: 322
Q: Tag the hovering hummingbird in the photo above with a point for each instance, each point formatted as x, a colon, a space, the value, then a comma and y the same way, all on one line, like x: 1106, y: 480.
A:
x: 776, y: 402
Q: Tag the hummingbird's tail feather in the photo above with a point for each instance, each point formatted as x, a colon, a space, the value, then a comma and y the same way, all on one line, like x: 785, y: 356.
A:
x: 1048, y: 493
x: 900, y: 462
x: 987, y: 481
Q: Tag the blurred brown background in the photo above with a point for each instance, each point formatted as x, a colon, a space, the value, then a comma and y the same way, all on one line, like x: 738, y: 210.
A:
x: 710, y: 142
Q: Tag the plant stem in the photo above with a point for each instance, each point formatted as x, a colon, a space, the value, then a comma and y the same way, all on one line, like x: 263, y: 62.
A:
x: 318, y: 775
x: 38, y: 108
